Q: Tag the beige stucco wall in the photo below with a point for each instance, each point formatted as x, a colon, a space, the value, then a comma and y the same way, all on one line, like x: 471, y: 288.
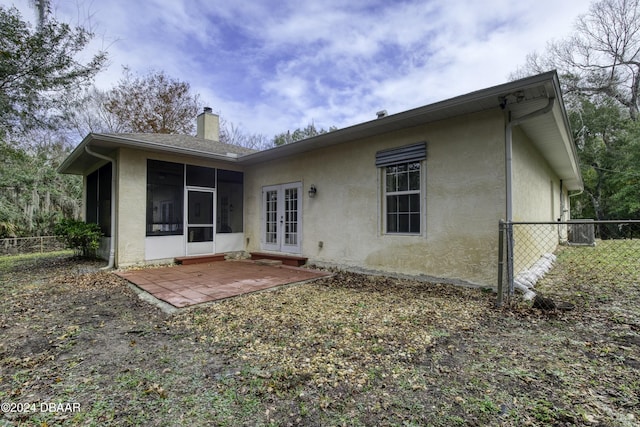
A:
x: 130, y: 206
x: 465, y: 199
x: 132, y: 199
x: 536, y: 188
x: 536, y: 197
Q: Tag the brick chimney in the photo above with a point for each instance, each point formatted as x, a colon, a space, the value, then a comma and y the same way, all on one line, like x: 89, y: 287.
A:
x: 208, y: 125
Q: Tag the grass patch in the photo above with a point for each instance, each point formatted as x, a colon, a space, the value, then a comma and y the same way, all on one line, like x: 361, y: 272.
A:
x: 349, y: 350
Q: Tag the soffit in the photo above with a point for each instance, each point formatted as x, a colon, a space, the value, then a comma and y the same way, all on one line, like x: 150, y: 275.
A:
x: 556, y: 147
x: 551, y: 135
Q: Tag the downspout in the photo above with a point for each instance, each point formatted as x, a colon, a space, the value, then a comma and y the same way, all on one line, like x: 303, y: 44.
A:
x: 509, y: 150
x: 562, y: 207
x: 112, y: 240
x: 575, y: 194
x: 509, y: 181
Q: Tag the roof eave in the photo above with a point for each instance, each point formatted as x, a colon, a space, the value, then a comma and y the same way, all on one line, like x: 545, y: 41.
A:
x: 573, y: 183
x: 69, y: 166
x: 481, y: 99
x: 66, y: 167
x: 464, y: 104
x: 472, y: 102
x: 158, y: 147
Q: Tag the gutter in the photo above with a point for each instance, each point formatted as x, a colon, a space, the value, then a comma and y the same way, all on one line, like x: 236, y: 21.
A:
x: 112, y: 240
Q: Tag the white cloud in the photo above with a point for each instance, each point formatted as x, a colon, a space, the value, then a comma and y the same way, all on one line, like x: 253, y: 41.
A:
x: 275, y: 65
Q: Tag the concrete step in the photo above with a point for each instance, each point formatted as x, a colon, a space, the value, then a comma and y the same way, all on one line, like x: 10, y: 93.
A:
x: 292, y: 260
x: 199, y: 259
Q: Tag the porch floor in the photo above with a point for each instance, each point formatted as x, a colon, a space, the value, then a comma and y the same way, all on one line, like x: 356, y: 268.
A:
x: 186, y: 285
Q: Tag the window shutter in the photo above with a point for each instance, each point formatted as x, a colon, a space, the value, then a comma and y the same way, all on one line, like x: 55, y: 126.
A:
x: 408, y: 153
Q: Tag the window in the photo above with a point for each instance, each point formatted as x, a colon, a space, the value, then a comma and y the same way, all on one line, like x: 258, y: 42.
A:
x: 91, y: 207
x: 402, y: 198
x: 98, y: 202
x: 402, y: 185
x: 165, y: 194
x: 229, y: 204
x: 200, y: 176
x: 104, y: 199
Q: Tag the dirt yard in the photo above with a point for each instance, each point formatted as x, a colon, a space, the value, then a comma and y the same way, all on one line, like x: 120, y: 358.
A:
x: 80, y: 348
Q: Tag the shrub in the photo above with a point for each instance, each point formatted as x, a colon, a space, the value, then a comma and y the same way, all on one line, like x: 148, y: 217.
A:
x: 82, y: 237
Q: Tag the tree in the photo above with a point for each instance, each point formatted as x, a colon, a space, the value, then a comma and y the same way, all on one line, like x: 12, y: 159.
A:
x: 154, y: 103
x: 602, y: 59
x: 607, y: 144
x: 88, y: 113
x: 33, y: 195
x: 599, y: 69
x: 36, y: 67
x: 299, y: 134
x: 233, y: 134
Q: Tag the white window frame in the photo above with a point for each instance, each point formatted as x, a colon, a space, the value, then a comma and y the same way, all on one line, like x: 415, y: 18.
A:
x: 420, y: 192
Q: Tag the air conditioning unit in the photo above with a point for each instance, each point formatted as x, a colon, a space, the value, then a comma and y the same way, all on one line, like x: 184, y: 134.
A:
x: 582, y: 233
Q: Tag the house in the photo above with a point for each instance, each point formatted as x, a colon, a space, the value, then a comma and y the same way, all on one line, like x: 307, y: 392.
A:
x: 419, y: 192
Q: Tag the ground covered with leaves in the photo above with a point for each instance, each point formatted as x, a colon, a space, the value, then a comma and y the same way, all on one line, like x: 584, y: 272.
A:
x: 348, y: 350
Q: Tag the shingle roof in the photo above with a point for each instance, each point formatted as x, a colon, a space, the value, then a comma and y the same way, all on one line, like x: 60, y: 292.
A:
x: 79, y: 161
x: 184, y: 141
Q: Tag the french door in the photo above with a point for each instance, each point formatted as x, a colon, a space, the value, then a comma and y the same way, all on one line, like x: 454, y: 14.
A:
x: 282, y: 217
x: 200, y: 220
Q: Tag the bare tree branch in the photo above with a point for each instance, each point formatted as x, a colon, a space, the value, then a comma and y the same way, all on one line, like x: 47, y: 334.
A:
x: 602, y: 58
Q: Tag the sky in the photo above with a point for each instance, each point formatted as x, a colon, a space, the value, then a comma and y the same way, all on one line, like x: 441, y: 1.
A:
x: 268, y: 66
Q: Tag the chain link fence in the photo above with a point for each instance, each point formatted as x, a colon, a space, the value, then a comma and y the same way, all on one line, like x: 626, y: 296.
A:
x: 27, y: 245
x: 599, y: 250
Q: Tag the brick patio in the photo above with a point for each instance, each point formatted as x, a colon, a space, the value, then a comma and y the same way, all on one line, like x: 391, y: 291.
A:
x: 186, y: 285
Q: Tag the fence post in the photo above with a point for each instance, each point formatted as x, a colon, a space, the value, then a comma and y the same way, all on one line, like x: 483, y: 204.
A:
x: 510, y: 256
x: 500, y: 263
